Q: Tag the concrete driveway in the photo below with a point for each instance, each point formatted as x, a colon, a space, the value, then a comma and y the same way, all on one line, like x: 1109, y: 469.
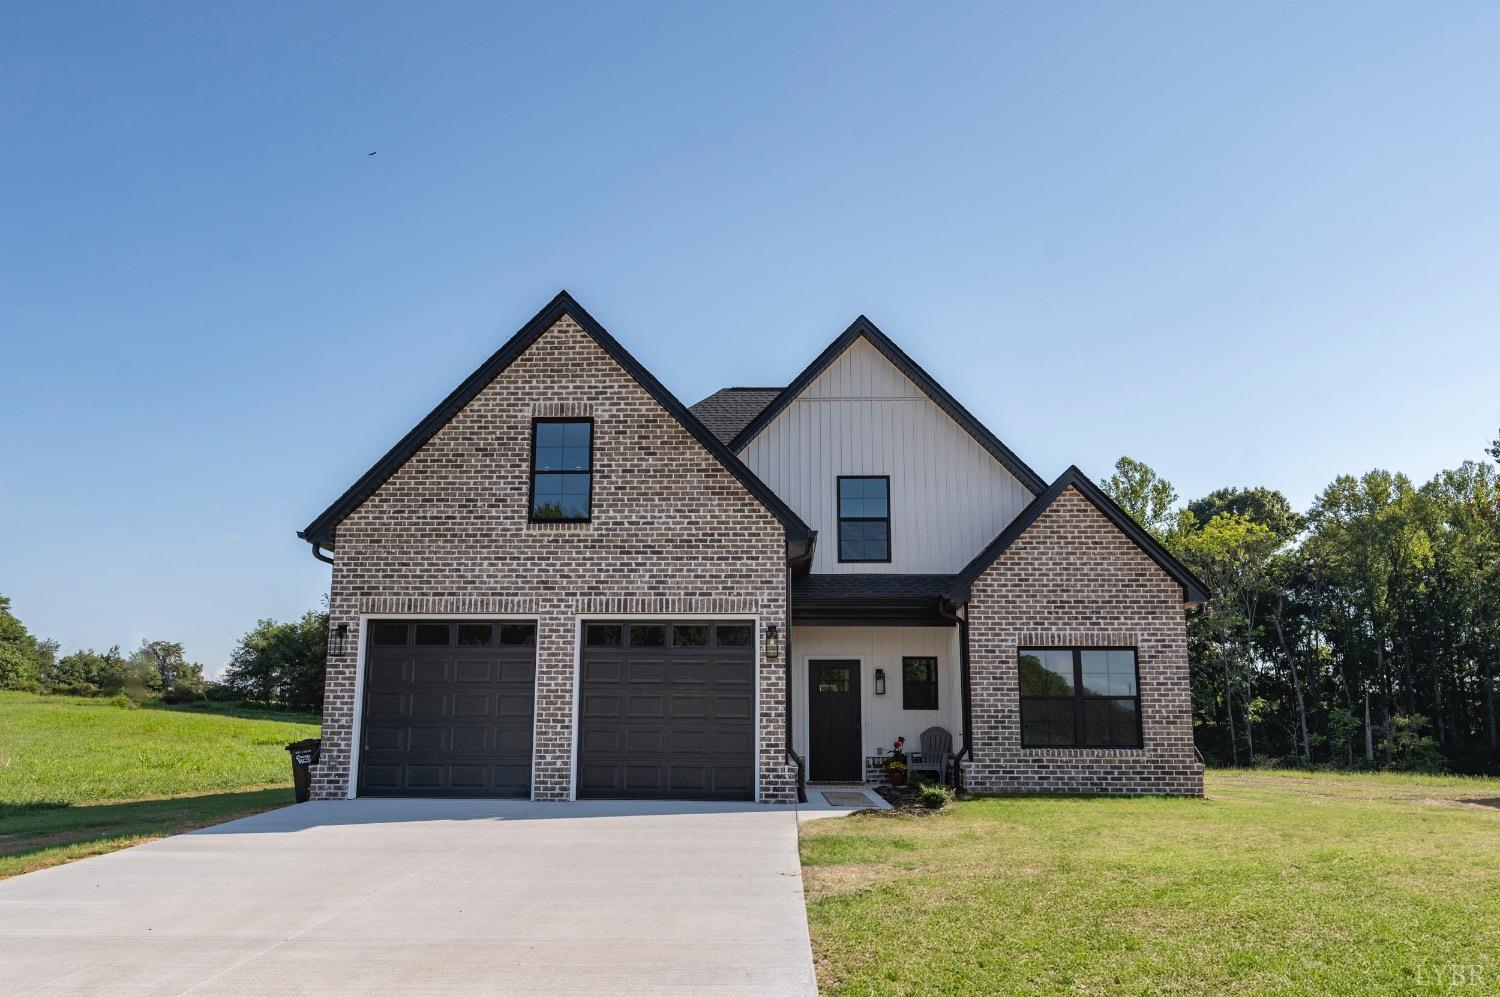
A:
x: 428, y: 896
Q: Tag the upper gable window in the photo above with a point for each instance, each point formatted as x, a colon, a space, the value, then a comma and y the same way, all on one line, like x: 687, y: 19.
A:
x: 562, y: 464
x: 864, y: 518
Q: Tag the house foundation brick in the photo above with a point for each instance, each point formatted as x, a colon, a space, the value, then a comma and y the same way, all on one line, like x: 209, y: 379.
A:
x: 1072, y: 579
x: 672, y: 532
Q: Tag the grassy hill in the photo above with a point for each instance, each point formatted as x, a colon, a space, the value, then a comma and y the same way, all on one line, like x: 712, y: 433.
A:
x: 84, y: 776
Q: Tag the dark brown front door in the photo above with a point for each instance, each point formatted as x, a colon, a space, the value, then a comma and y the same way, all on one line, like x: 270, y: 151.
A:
x: 447, y: 708
x: 667, y: 710
x: 833, y: 721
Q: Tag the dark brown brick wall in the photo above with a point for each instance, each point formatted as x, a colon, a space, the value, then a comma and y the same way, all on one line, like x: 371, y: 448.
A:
x: 672, y: 532
x: 1072, y: 579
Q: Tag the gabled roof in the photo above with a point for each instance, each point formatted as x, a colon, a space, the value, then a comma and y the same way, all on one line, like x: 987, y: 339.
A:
x: 321, y: 530
x: 729, y: 410
x: 1193, y: 589
x: 864, y: 327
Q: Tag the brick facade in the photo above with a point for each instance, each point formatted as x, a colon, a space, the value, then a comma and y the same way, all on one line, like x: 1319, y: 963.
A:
x: 672, y: 532
x: 1073, y: 579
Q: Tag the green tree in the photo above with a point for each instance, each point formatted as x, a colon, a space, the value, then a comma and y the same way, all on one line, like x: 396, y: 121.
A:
x: 23, y: 658
x: 282, y: 662
x: 105, y: 670
x: 1233, y: 554
x: 1266, y: 506
x: 173, y: 670
x: 1149, y: 498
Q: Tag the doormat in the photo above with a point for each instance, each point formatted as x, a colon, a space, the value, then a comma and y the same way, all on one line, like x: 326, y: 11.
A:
x: 850, y: 799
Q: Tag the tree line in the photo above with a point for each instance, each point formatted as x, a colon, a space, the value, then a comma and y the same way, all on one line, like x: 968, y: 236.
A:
x: 1361, y: 631
x: 274, y: 664
x: 30, y: 663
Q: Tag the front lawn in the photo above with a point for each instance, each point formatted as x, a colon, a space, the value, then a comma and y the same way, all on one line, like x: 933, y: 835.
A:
x: 1278, y: 882
x: 83, y: 776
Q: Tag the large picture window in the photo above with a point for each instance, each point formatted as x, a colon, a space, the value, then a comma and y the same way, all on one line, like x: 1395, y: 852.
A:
x: 562, y: 462
x: 864, y: 518
x: 1079, y: 698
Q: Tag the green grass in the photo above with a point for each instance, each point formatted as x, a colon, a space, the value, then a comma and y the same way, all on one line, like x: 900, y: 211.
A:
x: 82, y: 776
x: 1278, y: 882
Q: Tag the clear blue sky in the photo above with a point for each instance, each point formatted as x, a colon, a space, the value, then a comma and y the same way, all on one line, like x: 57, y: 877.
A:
x: 1248, y: 245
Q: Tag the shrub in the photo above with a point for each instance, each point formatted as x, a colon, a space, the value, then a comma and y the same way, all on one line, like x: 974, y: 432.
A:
x: 933, y: 796
x: 123, y: 701
x: 182, y: 693
x: 218, y: 692
x: 1411, y: 748
x: 75, y: 689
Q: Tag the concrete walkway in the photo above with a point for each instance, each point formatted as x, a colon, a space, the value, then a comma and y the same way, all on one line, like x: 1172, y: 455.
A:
x: 429, y: 896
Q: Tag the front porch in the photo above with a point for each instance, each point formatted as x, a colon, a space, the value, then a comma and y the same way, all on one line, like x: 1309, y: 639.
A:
x: 856, y: 689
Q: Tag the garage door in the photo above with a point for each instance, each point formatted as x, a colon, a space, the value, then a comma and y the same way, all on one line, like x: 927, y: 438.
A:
x: 448, y: 709
x: 667, y: 711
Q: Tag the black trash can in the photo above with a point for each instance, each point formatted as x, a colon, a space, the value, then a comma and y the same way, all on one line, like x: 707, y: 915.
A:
x: 304, y: 757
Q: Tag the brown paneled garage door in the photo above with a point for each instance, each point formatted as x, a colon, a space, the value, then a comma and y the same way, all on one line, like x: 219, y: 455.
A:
x: 447, y: 709
x: 667, y: 711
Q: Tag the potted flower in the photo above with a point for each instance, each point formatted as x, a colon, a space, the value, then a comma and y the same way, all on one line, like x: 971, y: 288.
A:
x: 895, y: 765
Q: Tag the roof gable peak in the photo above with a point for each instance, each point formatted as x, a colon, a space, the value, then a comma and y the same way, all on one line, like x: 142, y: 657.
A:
x: 863, y: 328
x: 1193, y: 588
x: 320, y: 532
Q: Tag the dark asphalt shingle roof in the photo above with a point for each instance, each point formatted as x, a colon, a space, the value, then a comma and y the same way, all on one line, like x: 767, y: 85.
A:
x: 729, y: 410
x: 871, y: 586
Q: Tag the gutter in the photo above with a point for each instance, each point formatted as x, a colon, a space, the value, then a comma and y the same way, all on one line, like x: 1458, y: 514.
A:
x: 964, y: 681
x: 317, y: 551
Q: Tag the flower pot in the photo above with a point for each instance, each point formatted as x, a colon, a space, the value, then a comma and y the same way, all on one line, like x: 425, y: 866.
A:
x: 896, y: 778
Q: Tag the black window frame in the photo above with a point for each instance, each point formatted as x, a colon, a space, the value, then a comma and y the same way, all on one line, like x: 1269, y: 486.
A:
x: 531, y: 515
x: 1078, y: 698
x: 838, y: 504
x: 930, y: 685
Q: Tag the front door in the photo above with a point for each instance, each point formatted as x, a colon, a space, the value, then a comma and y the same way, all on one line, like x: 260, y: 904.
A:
x: 833, y: 721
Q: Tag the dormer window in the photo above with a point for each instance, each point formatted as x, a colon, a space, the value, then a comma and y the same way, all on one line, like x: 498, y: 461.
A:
x: 562, y: 465
x: 864, y: 518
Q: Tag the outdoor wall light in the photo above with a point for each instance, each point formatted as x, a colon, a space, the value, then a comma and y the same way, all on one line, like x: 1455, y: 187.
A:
x: 773, y: 643
x: 880, y: 681
x: 337, y: 638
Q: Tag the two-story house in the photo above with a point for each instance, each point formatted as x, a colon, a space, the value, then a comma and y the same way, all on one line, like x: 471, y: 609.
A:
x: 564, y: 583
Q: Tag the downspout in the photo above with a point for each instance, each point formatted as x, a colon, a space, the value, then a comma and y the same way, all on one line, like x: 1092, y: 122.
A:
x: 787, y: 696
x: 963, y: 683
x: 316, y: 552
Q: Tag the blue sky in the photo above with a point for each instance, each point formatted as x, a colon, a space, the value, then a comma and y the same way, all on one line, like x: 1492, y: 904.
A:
x: 1248, y: 245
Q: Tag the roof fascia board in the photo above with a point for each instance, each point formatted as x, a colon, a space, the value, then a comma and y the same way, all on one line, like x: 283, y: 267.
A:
x: 322, y: 529
x: 913, y: 371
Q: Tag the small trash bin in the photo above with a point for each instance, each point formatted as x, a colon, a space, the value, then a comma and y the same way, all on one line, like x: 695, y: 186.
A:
x: 304, y: 757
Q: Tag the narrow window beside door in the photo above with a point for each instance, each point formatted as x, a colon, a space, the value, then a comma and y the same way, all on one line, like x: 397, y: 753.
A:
x: 562, y: 463
x: 919, y: 689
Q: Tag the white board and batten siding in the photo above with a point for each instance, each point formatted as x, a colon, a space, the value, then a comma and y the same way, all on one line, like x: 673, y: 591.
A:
x: 883, y: 717
x: 949, y: 496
